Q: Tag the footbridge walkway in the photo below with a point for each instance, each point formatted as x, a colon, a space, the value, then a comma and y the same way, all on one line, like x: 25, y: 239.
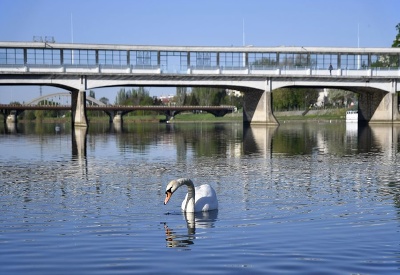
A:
x: 373, y: 73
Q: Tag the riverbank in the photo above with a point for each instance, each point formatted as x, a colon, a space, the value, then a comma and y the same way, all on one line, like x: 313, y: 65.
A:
x: 320, y: 114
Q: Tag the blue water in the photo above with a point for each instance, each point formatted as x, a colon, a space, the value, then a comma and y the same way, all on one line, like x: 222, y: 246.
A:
x: 299, y: 199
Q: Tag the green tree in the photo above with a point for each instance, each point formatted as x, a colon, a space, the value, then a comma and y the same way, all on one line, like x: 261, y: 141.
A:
x: 105, y: 100
x: 206, y: 96
x: 396, y: 41
x: 294, y: 98
x: 341, y: 98
x: 181, y: 95
x: 139, y: 96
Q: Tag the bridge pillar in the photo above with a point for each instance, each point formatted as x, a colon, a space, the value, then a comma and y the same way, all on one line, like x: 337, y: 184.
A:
x: 78, y: 105
x: 379, y: 107
x: 257, y: 107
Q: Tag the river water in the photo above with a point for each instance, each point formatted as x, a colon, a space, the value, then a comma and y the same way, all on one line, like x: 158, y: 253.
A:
x: 301, y: 198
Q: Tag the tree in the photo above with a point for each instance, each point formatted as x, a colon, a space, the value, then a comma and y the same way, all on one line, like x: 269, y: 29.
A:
x: 206, y: 96
x: 105, y: 100
x: 139, y: 96
x: 294, y: 98
x: 341, y: 98
x: 396, y: 41
x: 181, y: 95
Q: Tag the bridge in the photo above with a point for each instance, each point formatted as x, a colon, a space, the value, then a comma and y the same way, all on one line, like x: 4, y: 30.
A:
x: 115, y: 112
x: 373, y: 73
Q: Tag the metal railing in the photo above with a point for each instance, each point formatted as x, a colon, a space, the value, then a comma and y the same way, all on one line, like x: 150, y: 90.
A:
x: 193, y: 70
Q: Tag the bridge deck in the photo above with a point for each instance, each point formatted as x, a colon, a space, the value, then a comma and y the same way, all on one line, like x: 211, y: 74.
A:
x: 95, y: 58
x: 118, y: 108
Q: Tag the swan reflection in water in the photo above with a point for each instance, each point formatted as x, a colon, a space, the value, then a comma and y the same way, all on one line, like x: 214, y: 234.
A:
x: 193, y: 221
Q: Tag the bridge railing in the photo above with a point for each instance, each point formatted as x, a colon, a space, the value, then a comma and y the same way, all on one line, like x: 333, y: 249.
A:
x: 201, y: 70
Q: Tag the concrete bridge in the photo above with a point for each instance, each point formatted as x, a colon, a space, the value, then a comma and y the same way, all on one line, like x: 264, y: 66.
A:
x: 115, y: 112
x: 373, y: 73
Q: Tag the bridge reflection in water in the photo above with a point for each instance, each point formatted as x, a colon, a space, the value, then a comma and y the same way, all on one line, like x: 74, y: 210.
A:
x: 312, y: 141
x: 291, y: 138
x: 312, y: 138
x: 268, y: 140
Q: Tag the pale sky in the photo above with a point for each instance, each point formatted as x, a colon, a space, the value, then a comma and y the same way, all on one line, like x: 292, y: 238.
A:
x: 339, y: 23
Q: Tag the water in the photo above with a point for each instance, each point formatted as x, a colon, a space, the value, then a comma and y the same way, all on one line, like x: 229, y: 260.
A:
x: 304, y: 198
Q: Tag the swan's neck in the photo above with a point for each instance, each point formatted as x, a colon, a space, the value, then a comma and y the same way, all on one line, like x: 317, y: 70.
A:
x: 189, y: 204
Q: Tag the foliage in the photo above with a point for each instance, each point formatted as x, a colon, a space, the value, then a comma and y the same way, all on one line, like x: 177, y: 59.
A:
x: 181, y: 95
x: 134, y: 97
x: 341, y: 98
x: 206, y: 96
x: 139, y: 96
x: 105, y: 100
x: 396, y: 41
x: 294, y: 98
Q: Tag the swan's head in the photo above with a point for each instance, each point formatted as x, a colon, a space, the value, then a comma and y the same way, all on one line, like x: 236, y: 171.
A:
x: 172, y: 186
x: 170, y: 189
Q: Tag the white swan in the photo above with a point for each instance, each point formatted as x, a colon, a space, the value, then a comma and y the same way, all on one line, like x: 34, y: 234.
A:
x: 198, y: 199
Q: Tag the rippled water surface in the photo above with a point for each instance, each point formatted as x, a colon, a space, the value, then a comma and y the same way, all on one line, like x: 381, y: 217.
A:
x: 303, y: 198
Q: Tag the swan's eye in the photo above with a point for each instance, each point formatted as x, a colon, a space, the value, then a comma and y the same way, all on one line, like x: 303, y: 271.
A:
x: 168, y: 191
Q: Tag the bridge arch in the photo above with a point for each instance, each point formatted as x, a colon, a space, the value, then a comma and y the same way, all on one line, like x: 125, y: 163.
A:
x: 378, y: 101
x: 48, y: 96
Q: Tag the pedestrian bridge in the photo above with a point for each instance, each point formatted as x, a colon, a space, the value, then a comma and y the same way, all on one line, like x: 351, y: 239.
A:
x: 373, y: 73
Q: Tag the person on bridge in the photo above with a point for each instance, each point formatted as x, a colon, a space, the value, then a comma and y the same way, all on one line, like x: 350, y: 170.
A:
x: 330, y: 69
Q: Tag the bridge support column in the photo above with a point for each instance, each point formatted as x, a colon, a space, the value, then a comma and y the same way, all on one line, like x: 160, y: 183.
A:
x: 78, y: 104
x: 257, y: 107
x: 379, y: 107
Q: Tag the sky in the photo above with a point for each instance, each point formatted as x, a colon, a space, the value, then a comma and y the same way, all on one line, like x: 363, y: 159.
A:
x: 339, y: 23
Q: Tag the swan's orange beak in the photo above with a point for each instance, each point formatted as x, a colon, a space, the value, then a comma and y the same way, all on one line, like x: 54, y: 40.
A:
x: 168, y: 195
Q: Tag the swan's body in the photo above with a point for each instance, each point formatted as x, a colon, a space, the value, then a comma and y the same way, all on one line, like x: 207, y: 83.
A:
x: 198, y: 199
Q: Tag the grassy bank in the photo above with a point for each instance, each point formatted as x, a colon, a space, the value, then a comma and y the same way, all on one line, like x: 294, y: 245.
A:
x: 323, y: 114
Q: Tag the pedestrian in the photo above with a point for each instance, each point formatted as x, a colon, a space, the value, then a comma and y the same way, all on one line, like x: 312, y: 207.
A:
x: 330, y: 69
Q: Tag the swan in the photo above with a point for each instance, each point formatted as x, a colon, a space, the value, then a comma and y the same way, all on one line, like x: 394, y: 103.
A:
x: 198, y: 199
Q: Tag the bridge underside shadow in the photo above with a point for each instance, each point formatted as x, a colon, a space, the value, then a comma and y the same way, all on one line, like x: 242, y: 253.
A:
x: 376, y: 106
